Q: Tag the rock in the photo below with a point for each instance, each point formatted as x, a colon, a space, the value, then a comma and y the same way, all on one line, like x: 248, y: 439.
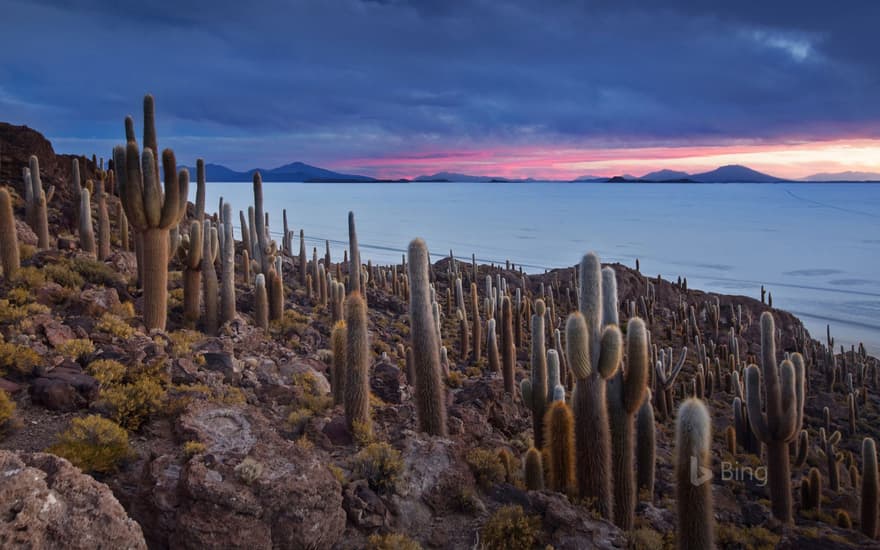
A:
x: 225, y: 363
x: 306, y: 365
x: 55, y: 395
x: 56, y: 333
x: 337, y: 431
x: 66, y: 243
x: 385, y: 383
x: 26, y: 235
x: 46, y: 502
x: 97, y: 301
x: 363, y: 507
x: 9, y: 387
x: 50, y: 294
x: 294, y: 502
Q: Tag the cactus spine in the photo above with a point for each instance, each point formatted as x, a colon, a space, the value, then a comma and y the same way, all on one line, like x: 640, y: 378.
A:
x: 870, y: 501
x: 338, y: 339
x: 153, y: 213
x: 693, y: 437
x: 534, y: 390
x: 626, y: 392
x: 559, y: 439
x: 533, y: 470
x: 86, y: 233
x: 430, y: 401
x: 357, y: 381
x: 785, y: 410
x: 593, y: 356
x: 8, y: 237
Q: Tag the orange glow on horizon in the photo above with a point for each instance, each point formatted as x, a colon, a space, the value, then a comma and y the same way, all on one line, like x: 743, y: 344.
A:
x: 786, y: 160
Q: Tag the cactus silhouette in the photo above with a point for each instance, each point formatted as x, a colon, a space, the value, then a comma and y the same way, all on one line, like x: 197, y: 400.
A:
x: 430, y: 401
x: 357, y: 357
x: 8, y: 237
x: 777, y: 427
x: 559, y: 441
x: 693, y: 493
x: 354, y: 266
x: 36, y: 198
x: 152, y: 214
x: 261, y: 245
x: 276, y: 295
x: 593, y: 356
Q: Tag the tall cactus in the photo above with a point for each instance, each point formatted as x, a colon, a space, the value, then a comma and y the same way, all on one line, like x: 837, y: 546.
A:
x: 357, y: 351
x: 534, y: 390
x: 103, y: 220
x: 261, y: 246
x: 430, y: 401
x: 870, y: 501
x: 210, y: 249
x: 492, y: 346
x: 201, y: 182
x: 338, y: 338
x: 533, y: 470
x: 477, y: 324
x: 626, y: 392
x: 693, y: 438
x: 261, y: 302
x: 593, y: 355
x: 40, y: 214
x: 152, y: 214
x: 86, y: 232
x: 646, y: 447
x: 559, y: 439
x: 8, y: 237
x: 227, y: 259
x: 508, y: 347
x: 190, y: 254
x: 276, y: 295
x: 784, y: 386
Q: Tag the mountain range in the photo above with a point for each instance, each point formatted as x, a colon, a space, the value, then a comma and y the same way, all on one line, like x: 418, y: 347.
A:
x: 733, y: 173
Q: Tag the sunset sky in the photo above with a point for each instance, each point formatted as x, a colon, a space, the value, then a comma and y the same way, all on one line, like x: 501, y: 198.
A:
x: 399, y: 88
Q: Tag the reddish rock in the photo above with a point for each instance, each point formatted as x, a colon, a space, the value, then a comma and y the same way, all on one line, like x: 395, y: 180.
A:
x: 46, y: 502
x: 385, y: 382
x: 97, y: 301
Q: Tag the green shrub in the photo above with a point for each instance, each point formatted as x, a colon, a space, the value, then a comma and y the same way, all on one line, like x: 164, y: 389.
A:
x: 510, y: 529
x: 193, y: 448
x: 107, y: 371
x: 7, y: 414
x: 93, y: 444
x: 19, y: 359
x: 393, y: 541
x: 62, y: 274
x: 486, y: 466
x: 130, y: 395
x: 113, y: 325
x: 380, y: 464
x: 76, y: 348
x: 97, y: 273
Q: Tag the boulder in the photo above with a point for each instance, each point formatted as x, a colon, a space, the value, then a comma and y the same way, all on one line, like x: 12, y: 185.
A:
x: 46, y: 502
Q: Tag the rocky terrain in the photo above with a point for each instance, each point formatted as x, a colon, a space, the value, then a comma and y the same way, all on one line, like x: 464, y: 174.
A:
x: 222, y: 404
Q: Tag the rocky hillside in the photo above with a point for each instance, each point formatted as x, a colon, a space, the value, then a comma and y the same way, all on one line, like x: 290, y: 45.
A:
x: 230, y: 407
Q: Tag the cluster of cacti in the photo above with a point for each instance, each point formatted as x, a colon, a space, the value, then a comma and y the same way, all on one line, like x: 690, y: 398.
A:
x: 151, y: 212
x: 693, y: 489
x: 9, y: 253
x: 784, y: 388
x: 593, y: 354
x: 430, y: 402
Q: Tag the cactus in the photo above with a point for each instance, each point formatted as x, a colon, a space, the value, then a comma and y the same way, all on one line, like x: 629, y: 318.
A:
x: 693, y: 438
x: 103, y: 221
x: 492, y: 346
x: 534, y: 390
x: 354, y: 266
x: 533, y: 470
x: 38, y: 205
x: 8, y: 237
x: 337, y: 296
x: 646, y: 447
x: 191, y: 256
x: 870, y: 501
x: 626, y: 391
x: 261, y: 303
x: 559, y: 439
x: 261, y: 245
x: 338, y: 339
x: 303, y: 262
x: 553, y: 376
x: 122, y: 221
x: 464, y: 335
x: 430, y: 401
x: 201, y: 182
x: 227, y: 257
x: 210, y: 248
x: 477, y: 324
x: 86, y: 233
x: 152, y: 215
x: 593, y: 356
x: 357, y: 376
x: 276, y: 295
x: 811, y: 491
x: 508, y: 347
x: 784, y: 417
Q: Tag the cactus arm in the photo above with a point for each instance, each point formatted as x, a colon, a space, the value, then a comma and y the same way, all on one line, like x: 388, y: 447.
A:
x: 152, y: 197
x: 636, y: 375
x: 171, y: 206
x: 769, y: 369
x: 132, y: 195
x: 611, y: 350
x: 182, y: 194
x: 577, y: 346
x: 785, y: 427
x: 753, y: 404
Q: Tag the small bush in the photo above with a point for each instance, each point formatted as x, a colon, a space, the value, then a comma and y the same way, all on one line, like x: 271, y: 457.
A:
x: 107, y: 371
x: 486, y: 467
x: 11, y: 313
x: 26, y: 251
x: 18, y: 296
x: 362, y: 433
x: 312, y: 398
x: 29, y: 277
x: 510, y: 529
x: 193, y: 448
x: 249, y: 470
x: 114, y: 326
x: 7, y: 414
x: 133, y: 403
x: 297, y: 419
x: 644, y: 538
x: 19, y: 359
x: 124, y: 310
x: 182, y: 342
x: 93, y: 444
x: 97, y: 273
x: 455, y: 379
x: 63, y: 275
x: 380, y: 464
x: 76, y: 348
x: 393, y: 541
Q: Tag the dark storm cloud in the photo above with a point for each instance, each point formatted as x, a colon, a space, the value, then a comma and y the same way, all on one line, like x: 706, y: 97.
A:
x: 323, y: 79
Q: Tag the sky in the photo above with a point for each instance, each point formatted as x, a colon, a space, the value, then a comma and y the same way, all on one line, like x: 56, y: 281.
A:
x: 399, y: 88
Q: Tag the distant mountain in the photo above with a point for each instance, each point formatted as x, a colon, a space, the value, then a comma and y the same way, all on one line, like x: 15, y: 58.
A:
x: 843, y: 176
x: 293, y: 172
x: 456, y: 177
x: 590, y: 178
x: 665, y: 175
x: 734, y: 173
